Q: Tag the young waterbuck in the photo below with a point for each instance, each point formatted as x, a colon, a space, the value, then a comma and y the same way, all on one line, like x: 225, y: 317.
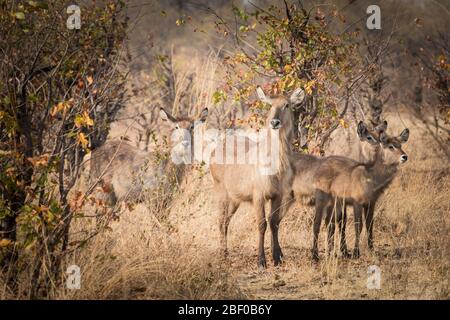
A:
x: 357, y: 184
x: 255, y: 181
x: 305, y: 167
x: 124, y: 172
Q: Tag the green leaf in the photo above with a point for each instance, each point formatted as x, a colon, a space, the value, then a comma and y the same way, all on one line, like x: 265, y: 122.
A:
x: 219, y: 96
x: 38, y: 4
x: 19, y: 15
x: 43, y: 5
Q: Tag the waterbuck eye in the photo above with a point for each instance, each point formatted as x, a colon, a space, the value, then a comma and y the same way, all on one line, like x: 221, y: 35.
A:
x: 370, y: 138
x: 177, y: 126
x: 391, y: 147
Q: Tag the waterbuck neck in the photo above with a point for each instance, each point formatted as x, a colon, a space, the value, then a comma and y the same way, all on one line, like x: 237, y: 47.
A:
x: 380, y: 173
x: 284, y: 154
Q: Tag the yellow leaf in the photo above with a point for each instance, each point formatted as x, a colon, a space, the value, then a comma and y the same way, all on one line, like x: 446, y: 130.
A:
x: 57, y: 108
x: 83, y: 120
x: 309, y: 86
x: 90, y: 80
x: 81, y: 139
x: 87, y: 120
x: 343, y: 123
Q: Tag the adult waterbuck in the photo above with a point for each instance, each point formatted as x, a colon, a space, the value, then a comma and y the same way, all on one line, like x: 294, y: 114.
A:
x: 258, y: 181
x: 124, y: 171
x: 338, y: 183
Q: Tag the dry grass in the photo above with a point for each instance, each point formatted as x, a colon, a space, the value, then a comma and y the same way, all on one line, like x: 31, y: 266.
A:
x: 179, y: 258
x: 172, y: 253
x: 132, y: 262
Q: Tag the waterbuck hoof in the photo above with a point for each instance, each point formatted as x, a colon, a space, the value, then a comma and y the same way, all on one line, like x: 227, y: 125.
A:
x: 277, y: 262
x: 315, y: 256
x: 345, y: 254
x: 277, y: 257
x: 262, y: 264
x: 355, y: 254
x: 225, y: 253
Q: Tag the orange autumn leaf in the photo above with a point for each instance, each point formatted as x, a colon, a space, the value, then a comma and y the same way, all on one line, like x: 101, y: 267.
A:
x: 81, y: 139
x: 5, y: 243
x: 83, y: 120
x: 39, y: 161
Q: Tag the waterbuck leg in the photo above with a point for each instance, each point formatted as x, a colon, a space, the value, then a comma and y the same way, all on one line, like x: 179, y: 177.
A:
x: 369, y: 225
x: 228, y: 209
x: 223, y: 226
x: 274, y: 219
x: 321, y: 201
x: 342, y: 220
x: 286, y: 203
x: 258, y: 205
x: 331, y: 226
x: 357, y: 208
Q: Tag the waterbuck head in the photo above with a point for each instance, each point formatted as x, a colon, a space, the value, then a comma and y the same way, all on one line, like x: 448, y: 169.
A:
x: 370, y: 138
x: 392, y: 147
x: 281, y: 116
x: 182, y: 135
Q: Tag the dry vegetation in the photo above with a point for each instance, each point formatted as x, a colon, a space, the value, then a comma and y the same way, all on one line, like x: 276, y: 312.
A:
x: 174, y: 254
x: 171, y: 251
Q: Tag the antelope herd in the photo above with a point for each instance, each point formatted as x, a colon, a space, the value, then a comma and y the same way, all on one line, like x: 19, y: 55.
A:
x: 332, y: 183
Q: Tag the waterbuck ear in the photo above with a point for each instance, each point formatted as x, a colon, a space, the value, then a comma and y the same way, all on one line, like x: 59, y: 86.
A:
x: 383, y: 138
x: 404, y: 136
x: 297, y: 96
x: 262, y: 96
x: 204, y: 115
x: 381, y: 127
x: 362, y: 129
x: 302, y: 135
x: 166, y: 116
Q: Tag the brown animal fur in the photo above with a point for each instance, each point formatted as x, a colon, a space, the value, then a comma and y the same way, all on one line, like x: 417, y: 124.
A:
x: 305, y: 167
x: 236, y: 183
x: 125, y: 172
x: 358, y: 184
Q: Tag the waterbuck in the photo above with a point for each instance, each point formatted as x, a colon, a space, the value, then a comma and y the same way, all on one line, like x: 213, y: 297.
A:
x: 306, y: 165
x: 124, y: 171
x: 255, y: 181
x: 358, y: 184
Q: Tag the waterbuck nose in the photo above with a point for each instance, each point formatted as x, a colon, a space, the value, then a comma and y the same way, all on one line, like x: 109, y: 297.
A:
x: 403, y: 158
x: 275, y: 123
